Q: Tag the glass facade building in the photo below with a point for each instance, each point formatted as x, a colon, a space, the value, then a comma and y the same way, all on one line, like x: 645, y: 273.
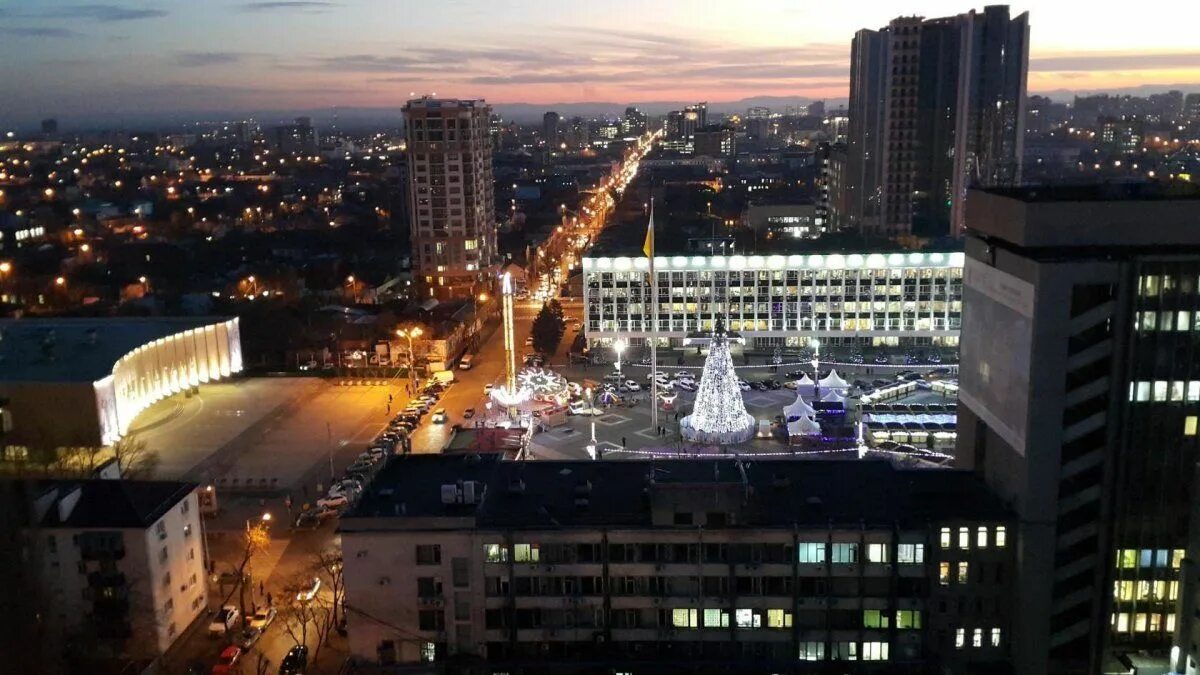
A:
x: 867, y: 299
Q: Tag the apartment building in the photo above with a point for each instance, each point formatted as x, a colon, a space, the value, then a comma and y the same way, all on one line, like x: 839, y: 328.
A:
x: 122, y: 563
x: 936, y: 106
x: 865, y: 299
x: 1080, y: 395
x: 452, y: 209
x: 475, y: 564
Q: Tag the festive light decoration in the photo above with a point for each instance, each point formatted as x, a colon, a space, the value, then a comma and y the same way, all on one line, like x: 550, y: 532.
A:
x: 718, y: 415
x: 542, y: 384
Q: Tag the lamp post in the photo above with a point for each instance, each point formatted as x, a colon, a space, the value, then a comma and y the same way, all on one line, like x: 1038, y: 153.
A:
x: 591, y: 446
x: 619, y: 347
x: 816, y: 364
x: 409, y: 334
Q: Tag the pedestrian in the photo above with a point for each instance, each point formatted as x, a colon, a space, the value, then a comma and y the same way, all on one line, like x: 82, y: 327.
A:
x: 270, y: 600
x: 622, y: 441
x: 389, y: 408
x: 389, y: 400
x: 262, y: 590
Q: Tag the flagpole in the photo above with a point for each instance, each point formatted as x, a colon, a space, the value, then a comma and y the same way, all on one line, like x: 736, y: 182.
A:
x: 653, y: 328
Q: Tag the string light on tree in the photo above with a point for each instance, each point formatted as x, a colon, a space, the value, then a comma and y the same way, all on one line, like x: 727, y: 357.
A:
x: 719, y: 414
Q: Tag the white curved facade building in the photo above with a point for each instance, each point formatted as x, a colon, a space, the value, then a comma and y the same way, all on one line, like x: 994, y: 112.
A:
x: 82, y: 382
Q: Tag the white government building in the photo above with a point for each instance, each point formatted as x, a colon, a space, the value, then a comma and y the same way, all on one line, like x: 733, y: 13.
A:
x: 858, y: 299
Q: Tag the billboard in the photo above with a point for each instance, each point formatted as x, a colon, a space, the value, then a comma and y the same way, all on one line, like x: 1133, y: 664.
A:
x: 994, y: 350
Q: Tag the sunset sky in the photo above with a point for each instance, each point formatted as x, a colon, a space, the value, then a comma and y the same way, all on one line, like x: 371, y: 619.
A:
x: 67, y: 59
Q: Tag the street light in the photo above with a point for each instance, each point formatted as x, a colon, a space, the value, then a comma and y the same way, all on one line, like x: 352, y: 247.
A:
x: 619, y: 347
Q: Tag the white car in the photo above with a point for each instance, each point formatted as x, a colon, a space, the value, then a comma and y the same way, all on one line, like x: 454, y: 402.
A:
x: 439, y: 416
x: 333, y: 501
x: 686, y: 385
x: 263, y: 616
x: 309, y: 592
x: 682, y: 374
x: 744, y: 385
x: 632, y: 386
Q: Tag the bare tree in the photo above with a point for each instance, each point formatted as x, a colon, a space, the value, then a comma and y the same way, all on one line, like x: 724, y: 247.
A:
x: 255, y: 540
x: 329, y: 565
x: 134, y: 458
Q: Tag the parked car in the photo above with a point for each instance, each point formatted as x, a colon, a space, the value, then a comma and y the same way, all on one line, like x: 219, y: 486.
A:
x: 439, y: 416
x: 465, y: 362
x: 632, y: 386
x: 528, y: 342
x: 795, y: 374
x: 743, y: 385
x: 223, y: 621
x: 487, y: 389
x: 881, y: 359
x: 333, y: 502
x: 773, y: 384
x: 228, y: 659
x: 686, y: 385
x: 468, y: 413
x: 759, y: 386
x: 307, y: 593
x: 295, y: 661
x: 246, y: 637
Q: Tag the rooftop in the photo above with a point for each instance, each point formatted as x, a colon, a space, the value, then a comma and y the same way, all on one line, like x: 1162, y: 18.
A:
x: 1075, y: 217
x: 79, y: 350
x: 121, y: 504
x: 587, y: 494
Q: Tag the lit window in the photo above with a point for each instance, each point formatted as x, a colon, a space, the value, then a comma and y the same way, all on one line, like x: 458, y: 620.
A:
x: 428, y: 652
x: 812, y: 651
x: 1139, y: 622
x: 1177, y: 390
x: 877, y: 553
x: 1172, y: 590
x: 945, y: 537
x: 1123, y: 590
x: 811, y: 552
x: 715, y: 618
x: 1155, y: 623
x: 1122, y: 621
x: 1170, y: 623
x: 873, y: 618
x: 875, y: 651
x: 963, y: 568
x: 910, y: 553
x: 981, y: 537
x: 1193, y: 386
x: 944, y: 573
x: 995, y: 637
x: 1127, y: 558
x: 1143, y: 391
x: 1189, y: 425
x: 964, y: 537
x: 908, y: 619
x: 495, y: 553
x: 1160, y: 390
x: 977, y: 637
x: 960, y: 638
x: 778, y: 618
x: 747, y: 618
x: 844, y: 553
x: 684, y: 618
x: 1183, y: 320
x: 1001, y: 536
x: 525, y: 553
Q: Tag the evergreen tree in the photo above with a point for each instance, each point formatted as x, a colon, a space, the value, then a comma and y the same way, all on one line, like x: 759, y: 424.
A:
x: 547, y: 331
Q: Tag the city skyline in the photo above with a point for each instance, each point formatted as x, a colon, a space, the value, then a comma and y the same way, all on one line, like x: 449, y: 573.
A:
x: 70, y: 60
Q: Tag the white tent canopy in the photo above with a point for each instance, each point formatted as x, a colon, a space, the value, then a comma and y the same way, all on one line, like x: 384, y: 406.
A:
x: 804, y: 426
x: 800, y: 408
x: 833, y: 381
x: 805, y: 381
x: 833, y: 397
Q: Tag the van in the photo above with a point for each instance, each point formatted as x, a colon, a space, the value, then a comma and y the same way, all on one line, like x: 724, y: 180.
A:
x: 443, y: 376
x: 465, y: 362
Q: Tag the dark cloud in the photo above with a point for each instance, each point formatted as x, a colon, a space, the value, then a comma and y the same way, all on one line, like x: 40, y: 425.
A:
x: 1107, y: 61
x: 101, y: 12
x: 202, y: 59
x: 37, y: 32
x: 284, y: 6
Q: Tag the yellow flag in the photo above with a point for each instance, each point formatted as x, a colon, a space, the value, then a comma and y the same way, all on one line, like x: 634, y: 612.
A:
x: 648, y: 246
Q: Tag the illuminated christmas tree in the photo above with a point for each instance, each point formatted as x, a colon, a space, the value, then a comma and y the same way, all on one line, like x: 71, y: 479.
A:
x: 719, y: 415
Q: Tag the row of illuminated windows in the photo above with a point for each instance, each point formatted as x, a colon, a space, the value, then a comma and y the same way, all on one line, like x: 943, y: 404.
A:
x: 1167, y: 321
x: 1165, y: 390
x: 815, y: 552
x: 1143, y: 622
x: 807, y: 552
x: 719, y: 618
x: 794, y: 276
x: 977, y: 634
x: 1153, y: 285
x: 998, y: 537
x: 844, y: 651
x: 1130, y: 558
x: 1146, y: 590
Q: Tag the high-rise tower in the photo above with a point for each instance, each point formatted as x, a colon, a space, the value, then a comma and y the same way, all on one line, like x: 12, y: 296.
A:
x: 451, y: 195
